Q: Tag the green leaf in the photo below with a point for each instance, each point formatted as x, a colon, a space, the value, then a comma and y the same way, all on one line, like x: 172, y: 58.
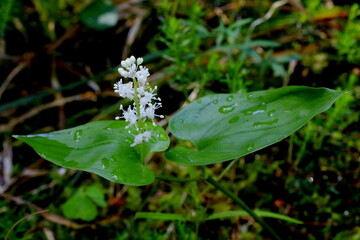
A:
x: 82, y: 204
x: 260, y: 213
x: 99, y: 15
x: 79, y: 207
x: 95, y: 193
x: 102, y: 148
x: 227, y: 126
x: 160, y: 216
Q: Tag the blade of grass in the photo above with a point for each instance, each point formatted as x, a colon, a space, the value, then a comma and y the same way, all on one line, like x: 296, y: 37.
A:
x: 260, y: 213
x: 160, y: 216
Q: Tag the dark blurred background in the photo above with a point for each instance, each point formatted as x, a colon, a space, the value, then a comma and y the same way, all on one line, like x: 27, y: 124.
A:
x: 58, y: 64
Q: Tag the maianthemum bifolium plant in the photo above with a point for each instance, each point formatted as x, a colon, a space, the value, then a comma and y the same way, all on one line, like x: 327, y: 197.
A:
x: 220, y: 127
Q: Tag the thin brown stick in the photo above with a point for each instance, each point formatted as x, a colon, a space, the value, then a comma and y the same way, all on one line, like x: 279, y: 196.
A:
x: 20, y: 220
x: 69, y: 34
x: 45, y: 213
x: 58, y: 219
x: 11, y: 76
x: 55, y: 84
x: 6, y: 164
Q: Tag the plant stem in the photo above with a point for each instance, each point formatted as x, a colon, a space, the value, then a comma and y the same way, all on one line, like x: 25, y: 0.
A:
x: 218, y: 186
x: 22, y: 219
x: 241, y: 204
x: 228, y: 167
x: 140, y: 123
x: 137, y: 102
x: 174, y: 179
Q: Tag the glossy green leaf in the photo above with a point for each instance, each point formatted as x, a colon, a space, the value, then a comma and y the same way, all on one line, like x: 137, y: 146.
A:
x: 227, y: 126
x: 257, y: 212
x: 100, y: 15
x: 102, y: 148
x: 160, y: 216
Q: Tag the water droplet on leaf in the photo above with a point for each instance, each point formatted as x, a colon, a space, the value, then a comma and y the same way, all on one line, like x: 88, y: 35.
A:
x: 271, y: 113
x: 77, y: 135
x: 230, y: 98
x: 105, y: 162
x: 254, y: 110
x: 263, y: 124
x: 250, y: 147
x: 227, y: 108
x: 162, y: 136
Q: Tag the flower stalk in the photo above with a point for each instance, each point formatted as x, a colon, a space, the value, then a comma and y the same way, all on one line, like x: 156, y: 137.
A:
x: 145, y: 100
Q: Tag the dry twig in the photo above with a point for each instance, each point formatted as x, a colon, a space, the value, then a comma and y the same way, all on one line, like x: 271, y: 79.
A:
x: 11, y: 76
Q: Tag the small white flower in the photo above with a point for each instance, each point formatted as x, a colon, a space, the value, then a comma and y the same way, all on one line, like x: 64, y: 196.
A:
x: 142, y: 75
x: 139, y: 61
x: 123, y: 72
x: 129, y: 68
x: 129, y: 115
x: 128, y: 62
x: 141, y: 137
x: 132, y: 71
x: 146, y: 97
x: 128, y: 72
x: 125, y: 90
x: 149, y: 112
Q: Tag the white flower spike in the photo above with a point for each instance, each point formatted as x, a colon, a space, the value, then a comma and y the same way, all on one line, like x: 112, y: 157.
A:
x: 144, y: 98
